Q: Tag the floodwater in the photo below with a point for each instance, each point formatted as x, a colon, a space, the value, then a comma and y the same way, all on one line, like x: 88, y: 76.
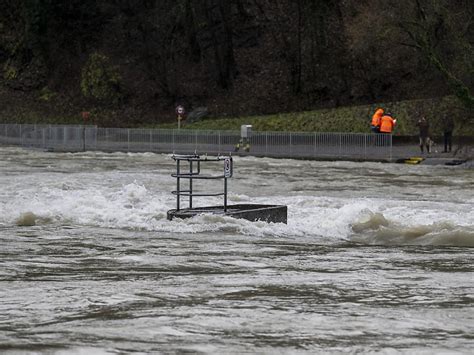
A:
x: 375, y: 258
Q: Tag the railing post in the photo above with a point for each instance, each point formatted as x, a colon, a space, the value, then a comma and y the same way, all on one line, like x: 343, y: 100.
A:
x: 340, y: 144
x: 106, y: 137
x: 225, y: 194
x: 96, y: 136
x: 314, y: 145
x: 83, y: 137
x: 365, y: 145
x: 190, y: 184
x: 177, y: 185
x: 291, y: 148
x: 391, y: 145
x: 128, y: 139
x: 266, y: 143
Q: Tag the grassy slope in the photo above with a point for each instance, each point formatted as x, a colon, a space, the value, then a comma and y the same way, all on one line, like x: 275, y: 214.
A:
x: 22, y: 108
x: 344, y: 119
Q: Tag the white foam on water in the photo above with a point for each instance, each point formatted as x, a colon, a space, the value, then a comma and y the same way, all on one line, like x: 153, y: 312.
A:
x: 138, y: 199
x: 375, y: 228
x: 134, y: 206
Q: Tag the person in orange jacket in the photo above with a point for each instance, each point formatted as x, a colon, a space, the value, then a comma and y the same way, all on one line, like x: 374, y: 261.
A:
x: 375, y: 124
x: 387, y: 123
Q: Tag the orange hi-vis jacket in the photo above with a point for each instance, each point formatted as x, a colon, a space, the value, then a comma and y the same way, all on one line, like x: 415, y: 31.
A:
x: 376, y: 117
x: 386, y: 124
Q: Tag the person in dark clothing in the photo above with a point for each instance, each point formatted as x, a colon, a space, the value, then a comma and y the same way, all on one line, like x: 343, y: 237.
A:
x: 424, y: 133
x: 448, y: 128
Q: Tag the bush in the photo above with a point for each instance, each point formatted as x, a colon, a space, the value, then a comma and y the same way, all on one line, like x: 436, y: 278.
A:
x: 46, y: 94
x: 100, y: 80
x: 9, y: 72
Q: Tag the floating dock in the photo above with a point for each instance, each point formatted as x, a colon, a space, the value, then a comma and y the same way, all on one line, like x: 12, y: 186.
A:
x: 251, y: 212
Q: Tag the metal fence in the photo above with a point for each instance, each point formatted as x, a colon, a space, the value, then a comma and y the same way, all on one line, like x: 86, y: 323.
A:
x: 270, y: 144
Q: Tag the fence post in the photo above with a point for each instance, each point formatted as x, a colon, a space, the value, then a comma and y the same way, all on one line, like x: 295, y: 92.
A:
x: 291, y: 148
x: 128, y: 139
x: 83, y: 137
x: 266, y: 143
x: 340, y: 144
x: 365, y: 145
x: 151, y: 139
x: 391, y: 144
x: 314, y: 145
x: 106, y: 133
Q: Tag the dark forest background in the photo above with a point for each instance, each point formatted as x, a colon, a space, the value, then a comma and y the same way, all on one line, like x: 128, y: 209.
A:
x: 137, y: 59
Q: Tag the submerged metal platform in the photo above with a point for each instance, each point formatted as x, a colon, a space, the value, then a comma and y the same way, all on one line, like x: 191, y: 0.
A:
x: 251, y: 212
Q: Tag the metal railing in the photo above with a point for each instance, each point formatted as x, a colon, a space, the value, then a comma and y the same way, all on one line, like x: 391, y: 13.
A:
x: 194, y: 173
x: 271, y: 144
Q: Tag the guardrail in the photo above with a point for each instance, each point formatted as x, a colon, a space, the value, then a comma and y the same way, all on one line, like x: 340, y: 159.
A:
x: 271, y: 144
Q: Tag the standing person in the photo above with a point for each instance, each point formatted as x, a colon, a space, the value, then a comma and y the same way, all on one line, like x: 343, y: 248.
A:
x: 375, y: 124
x: 448, y: 128
x: 424, y: 134
x: 387, y: 123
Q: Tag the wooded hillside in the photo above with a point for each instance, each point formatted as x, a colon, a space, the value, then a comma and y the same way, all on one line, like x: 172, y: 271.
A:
x: 132, y: 61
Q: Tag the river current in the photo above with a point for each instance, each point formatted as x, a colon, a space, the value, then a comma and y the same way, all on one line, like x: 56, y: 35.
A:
x: 375, y: 258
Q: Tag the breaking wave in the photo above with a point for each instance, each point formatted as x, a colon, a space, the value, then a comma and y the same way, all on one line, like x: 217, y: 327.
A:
x: 375, y: 229
x: 133, y: 206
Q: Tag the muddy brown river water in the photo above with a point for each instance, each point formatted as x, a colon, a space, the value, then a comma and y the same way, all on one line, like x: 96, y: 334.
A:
x: 375, y: 258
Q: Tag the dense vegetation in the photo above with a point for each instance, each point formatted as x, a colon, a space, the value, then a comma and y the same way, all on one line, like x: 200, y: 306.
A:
x: 130, y: 62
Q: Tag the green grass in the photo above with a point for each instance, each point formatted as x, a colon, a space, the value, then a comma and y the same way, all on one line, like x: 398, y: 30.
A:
x: 344, y: 119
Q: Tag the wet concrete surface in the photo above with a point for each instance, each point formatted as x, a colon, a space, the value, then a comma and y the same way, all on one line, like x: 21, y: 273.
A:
x: 411, y: 154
